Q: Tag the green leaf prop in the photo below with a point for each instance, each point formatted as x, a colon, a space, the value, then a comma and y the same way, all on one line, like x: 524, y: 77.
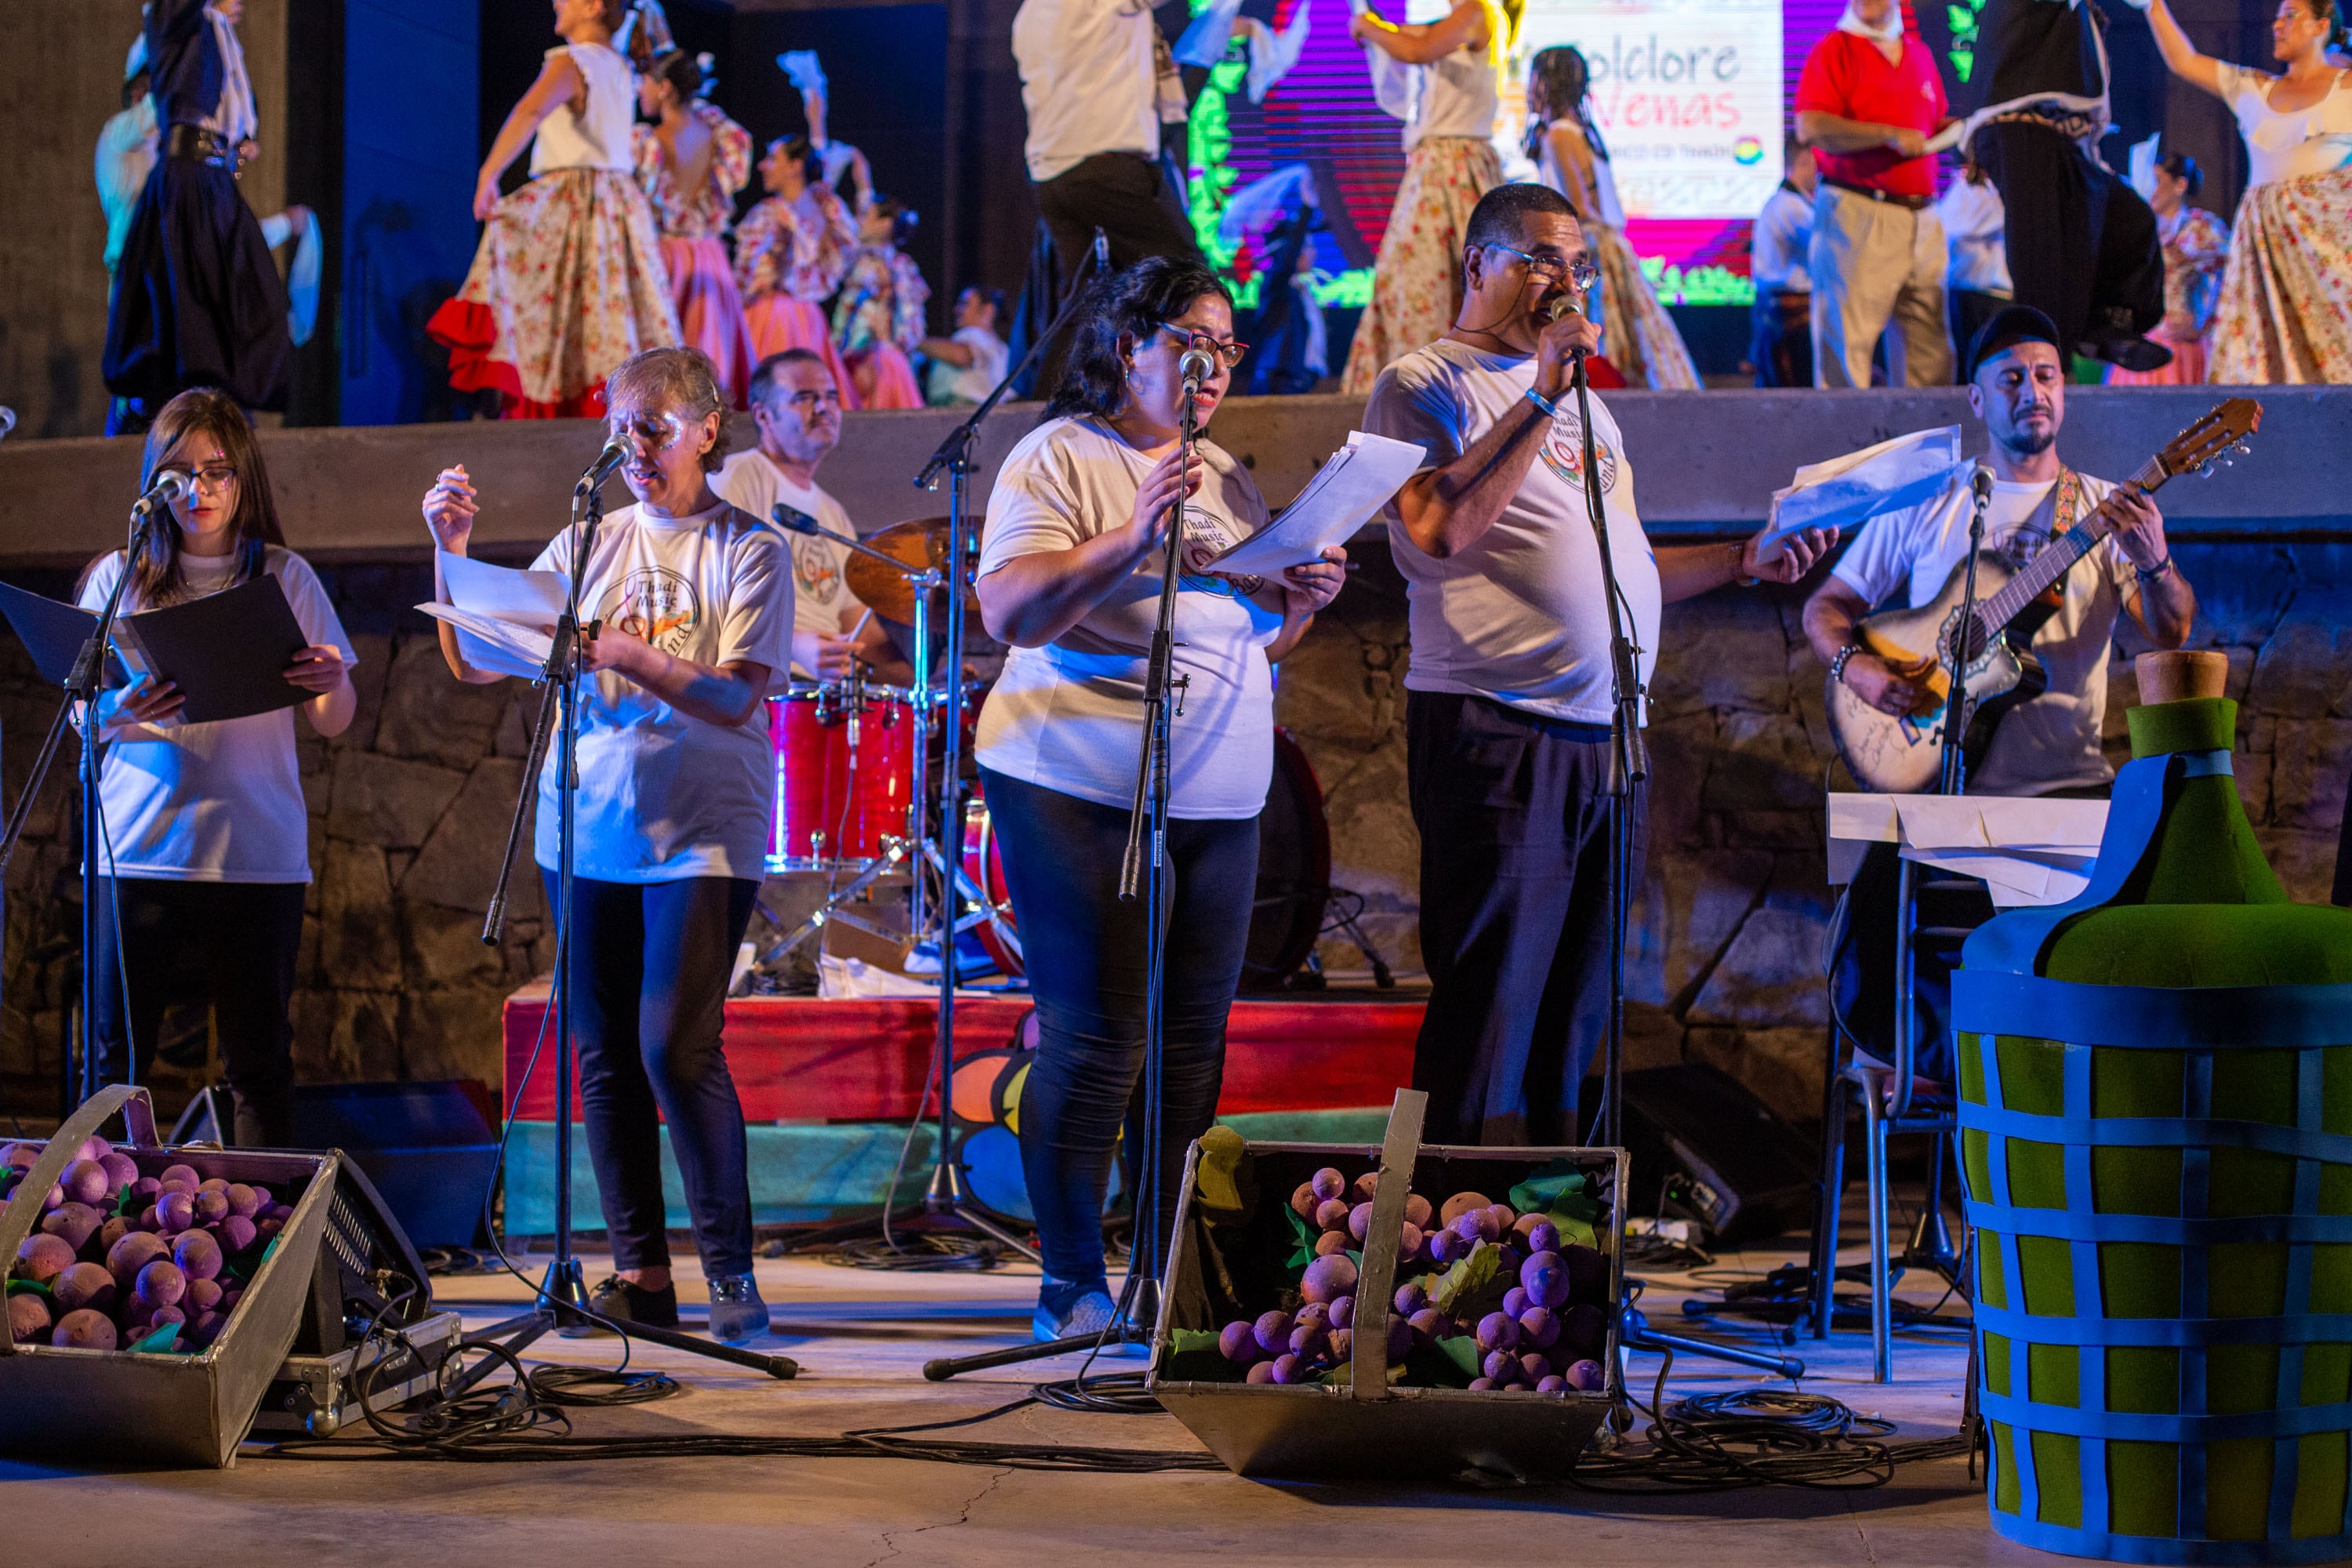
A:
x: 125, y: 1204
x: 1217, y: 1179
x: 1193, y: 1357
x: 1304, y: 1234
x: 19, y: 1287
x: 1558, y: 1192
x: 1457, y: 1358
x: 1473, y: 1286
x: 162, y: 1340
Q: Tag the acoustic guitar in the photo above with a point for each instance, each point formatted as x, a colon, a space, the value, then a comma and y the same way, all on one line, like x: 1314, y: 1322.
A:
x: 1902, y: 753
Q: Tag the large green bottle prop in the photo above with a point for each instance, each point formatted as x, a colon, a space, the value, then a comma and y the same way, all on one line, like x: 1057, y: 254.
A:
x: 2155, y: 1133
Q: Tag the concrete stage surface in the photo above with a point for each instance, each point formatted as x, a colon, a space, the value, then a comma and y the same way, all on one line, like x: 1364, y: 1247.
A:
x: 861, y: 1338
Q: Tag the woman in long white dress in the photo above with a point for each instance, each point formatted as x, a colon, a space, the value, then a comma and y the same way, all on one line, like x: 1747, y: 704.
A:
x: 1637, y: 335
x: 2286, y: 313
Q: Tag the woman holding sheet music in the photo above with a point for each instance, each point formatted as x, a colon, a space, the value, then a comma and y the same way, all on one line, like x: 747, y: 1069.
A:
x: 690, y: 605
x: 1069, y: 575
x: 202, y: 829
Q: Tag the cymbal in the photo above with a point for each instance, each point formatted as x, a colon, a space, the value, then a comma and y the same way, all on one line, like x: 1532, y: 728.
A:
x: 919, y: 544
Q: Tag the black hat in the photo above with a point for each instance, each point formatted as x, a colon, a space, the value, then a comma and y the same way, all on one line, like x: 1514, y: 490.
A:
x: 2009, y: 324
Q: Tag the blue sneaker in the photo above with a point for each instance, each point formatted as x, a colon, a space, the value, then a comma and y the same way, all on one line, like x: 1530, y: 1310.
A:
x: 1089, y: 1315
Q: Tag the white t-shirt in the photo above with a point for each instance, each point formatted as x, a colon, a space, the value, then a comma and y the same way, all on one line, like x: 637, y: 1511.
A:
x: 1518, y: 616
x: 1778, y: 245
x: 819, y: 566
x: 969, y: 383
x: 1974, y: 224
x: 1087, y: 81
x: 1070, y: 716
x: 219, y: 802
x: 2053, y: 742
x: 664, y: 796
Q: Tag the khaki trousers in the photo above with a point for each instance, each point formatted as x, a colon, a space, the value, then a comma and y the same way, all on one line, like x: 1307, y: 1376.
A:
x: 1876, y: 264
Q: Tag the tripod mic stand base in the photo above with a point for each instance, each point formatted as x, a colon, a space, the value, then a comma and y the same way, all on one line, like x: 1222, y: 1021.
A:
x: 1634, y: 1334
x: 1132, y: 1323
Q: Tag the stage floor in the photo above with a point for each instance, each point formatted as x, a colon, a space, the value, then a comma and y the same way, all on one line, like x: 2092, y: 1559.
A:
x: 861, y: 1338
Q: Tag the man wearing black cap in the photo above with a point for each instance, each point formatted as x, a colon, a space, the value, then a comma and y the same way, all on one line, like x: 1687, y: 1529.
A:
x: 2016, y: 377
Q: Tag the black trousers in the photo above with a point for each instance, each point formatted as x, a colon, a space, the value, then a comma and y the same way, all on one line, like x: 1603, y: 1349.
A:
x: 649, y: 968
x: 1087, y: 971
x: 1124, y: 196
x: 1515, y: 919
x: 234, y: 944
x: 2082, y: 245
x: 1780, y: 339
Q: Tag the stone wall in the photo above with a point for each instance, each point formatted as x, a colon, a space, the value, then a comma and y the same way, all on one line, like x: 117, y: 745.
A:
x: 408, y: 809
x: 1724, y: 965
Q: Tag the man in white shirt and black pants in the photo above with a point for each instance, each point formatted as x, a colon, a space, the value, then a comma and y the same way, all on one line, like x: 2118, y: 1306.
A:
x: 1090, y: 82
x: 1509, y: 691
x: 2016, y: 373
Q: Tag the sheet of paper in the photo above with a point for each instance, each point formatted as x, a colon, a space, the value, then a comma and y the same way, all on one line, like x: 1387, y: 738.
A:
x: 502, y: 593
x: 1847, y: 491
x: 495, y: 645
x: 1343, y: 496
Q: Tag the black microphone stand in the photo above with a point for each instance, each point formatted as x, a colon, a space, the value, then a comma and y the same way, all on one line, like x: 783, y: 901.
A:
x: 82, y: 687
x: 1629, y: 768
x: 562, y: 1301
x: 947, y: 1198
x: 1142, y: 872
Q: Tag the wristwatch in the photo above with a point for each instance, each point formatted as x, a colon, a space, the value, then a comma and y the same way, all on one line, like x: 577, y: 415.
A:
x: 2150, y: 573
x: 1837, y: 665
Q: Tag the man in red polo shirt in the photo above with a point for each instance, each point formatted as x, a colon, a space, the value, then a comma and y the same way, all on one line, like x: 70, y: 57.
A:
x: 1867, y: 105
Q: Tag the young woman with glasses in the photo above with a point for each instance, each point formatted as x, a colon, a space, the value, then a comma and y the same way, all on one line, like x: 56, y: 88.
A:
x: 688, y: 603
x: 201, y: 833
x: 1070, y: 566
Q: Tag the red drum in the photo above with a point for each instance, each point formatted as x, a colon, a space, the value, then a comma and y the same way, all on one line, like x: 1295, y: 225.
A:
x: 1294, y: 876
x: 845, y: 768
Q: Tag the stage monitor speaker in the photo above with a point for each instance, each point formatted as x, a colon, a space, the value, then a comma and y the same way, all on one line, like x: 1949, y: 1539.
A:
x: 425, y: 1147
x: 1705, y: 1148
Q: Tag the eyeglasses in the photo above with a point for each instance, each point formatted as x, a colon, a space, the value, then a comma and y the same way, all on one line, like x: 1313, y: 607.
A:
x: 1580, y: 274
x: 1231, y: 353
x: 215, y: 477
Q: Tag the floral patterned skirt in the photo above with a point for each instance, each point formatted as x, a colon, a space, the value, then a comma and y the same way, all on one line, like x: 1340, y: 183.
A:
x: 711, y: 309
x: 1417, y: 276
x: 780, y: 321
x: 567, y: 283
x: 1636, y: 334
x: 2286, y: 314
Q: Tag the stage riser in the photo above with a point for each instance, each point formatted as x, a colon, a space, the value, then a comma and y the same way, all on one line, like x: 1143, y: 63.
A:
x: 1704, y: 463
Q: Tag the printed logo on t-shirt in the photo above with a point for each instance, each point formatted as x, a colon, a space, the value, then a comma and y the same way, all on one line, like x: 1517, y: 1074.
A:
x: 816, y: 576
x: 1563, y: 451
x: 1205, y: 538
x: 658, y: 606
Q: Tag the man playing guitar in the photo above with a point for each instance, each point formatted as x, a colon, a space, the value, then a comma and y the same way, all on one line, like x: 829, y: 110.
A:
x: 2047, y: 746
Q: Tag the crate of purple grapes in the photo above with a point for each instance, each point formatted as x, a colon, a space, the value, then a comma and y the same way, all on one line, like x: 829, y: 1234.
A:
x: 152, y: 1292
x: 1406, y: 1311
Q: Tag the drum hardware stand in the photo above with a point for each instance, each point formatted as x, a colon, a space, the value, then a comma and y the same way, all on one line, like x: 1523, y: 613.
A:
x: 1629, y: 767
x: 562, y: 1301
x: 83, y: 686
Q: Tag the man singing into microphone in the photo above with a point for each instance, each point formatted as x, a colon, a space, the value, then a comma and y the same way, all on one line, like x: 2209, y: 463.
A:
x: 1507, y: 721
x: 2016, y: 375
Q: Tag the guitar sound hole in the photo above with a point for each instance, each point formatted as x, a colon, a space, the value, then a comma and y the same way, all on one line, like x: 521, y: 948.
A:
x: 1977, y: 639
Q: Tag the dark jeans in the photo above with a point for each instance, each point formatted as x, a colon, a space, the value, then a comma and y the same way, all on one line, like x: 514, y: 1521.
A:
x: 1515, y: 860
x: 1124, y: 196
x: 1084, y: 953
x: 2082, y: 245
x: 1780, y: 339
x: 235, y: 943
x: 649, y: 968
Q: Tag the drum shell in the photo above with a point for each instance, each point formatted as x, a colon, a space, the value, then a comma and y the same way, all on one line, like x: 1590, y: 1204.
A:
x: 840, y: 790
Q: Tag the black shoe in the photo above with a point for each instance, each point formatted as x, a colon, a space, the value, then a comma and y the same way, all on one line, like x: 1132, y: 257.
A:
x: 623, y: 1302
x: 2137, y: 354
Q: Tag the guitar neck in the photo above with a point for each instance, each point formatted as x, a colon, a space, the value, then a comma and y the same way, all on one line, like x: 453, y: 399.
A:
x: 2058, y: 557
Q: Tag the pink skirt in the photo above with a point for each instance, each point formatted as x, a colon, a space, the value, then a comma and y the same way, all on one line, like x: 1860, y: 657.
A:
x: 885, y: 378
x: 779, y: 321
x: 2186, y: 369
x: 711, y: 309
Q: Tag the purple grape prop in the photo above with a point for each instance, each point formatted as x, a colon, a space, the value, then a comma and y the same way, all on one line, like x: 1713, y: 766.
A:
x: 41, y: 1257
x: 1272, y: 1332
x: 1237, y: 1340
x: 1588, y: 1375
x: 1328, y: 1278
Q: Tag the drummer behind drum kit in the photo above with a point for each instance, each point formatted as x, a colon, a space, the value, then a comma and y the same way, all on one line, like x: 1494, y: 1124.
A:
x: 854, y: 759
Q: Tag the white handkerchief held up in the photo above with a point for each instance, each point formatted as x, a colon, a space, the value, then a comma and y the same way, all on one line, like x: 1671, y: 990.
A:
x: 1352, y: 485
x: 1847, y: 491
x: 1204, y: 41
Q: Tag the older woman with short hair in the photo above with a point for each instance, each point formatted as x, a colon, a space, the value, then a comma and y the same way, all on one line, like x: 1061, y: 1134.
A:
x: 688, y: 609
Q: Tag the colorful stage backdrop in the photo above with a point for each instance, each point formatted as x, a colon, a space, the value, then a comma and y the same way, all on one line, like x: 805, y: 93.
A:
x: 1691, y: 95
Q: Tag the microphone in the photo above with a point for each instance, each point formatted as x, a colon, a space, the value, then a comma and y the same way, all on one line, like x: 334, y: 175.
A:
x: 611, y: 457
x: 792, y: 521
x: 1980, y: 481
x: 171, y: 485
x: 1195, y: 367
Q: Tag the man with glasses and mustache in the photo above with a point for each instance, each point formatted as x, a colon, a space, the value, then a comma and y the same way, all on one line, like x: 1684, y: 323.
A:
x: 796, y: 409
x: 1509, y: 693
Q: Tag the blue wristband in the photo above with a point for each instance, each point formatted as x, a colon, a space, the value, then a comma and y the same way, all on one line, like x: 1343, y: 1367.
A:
x: 1551, y: 410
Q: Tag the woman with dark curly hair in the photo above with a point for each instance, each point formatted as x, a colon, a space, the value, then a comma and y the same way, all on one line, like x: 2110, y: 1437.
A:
x: 694, y: 600
x: 1078, y: 523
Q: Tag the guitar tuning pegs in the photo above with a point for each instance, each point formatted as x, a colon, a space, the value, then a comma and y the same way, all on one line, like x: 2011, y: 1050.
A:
x: 2243, y: 450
